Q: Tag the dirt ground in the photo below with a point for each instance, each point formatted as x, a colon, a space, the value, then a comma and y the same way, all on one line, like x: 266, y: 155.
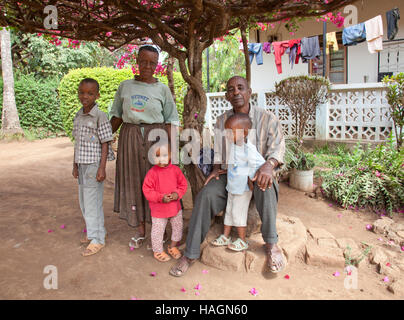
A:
x: 38, y: 193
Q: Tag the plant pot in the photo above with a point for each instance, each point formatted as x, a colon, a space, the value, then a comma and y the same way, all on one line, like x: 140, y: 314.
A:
x: 301, y: 180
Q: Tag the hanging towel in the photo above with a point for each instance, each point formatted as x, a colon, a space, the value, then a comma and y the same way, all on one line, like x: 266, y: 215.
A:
x: 332, y: 41
x: 374, y: 34
x: 294, y: 51
x: 266, y: 47
x: 310, y: 48
x: 392, y: 22
x: 279, y: 49
x: 255, y: 49
x: 353, y: 35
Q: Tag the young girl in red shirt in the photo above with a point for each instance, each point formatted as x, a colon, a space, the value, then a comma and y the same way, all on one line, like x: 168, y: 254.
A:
x: 164, y: 186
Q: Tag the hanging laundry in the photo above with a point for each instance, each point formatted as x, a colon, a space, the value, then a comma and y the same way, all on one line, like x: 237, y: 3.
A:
x: 353, y: 35
x: 392, y: 22
x: 374, y: 34
x: 279, y: 49
x: 294, y: 51
x: 266, y: 47
x: 255, y: 49
x: 310, y: 48
x: 332, y: 41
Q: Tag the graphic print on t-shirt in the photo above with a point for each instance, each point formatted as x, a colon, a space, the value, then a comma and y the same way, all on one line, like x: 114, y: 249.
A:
x: 138, y: 102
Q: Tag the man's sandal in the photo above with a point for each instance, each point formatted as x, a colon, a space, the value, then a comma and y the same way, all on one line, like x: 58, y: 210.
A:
x: 85, y: 240
x: 238, y: 245
x: 222, y: 240
x: 272, y: 262
x: 136, y: 242
x: 92, y: 248
x: 181, y: 267
x: 162, y: 256
x: 174, y: 252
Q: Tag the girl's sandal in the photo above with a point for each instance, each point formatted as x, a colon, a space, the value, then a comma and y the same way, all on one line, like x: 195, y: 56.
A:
x: 136, y: 242
x: 221, y: 241
x: 238, y: 245
x: 92, y: 248
x: 174, y: 252
x: 162, y: 256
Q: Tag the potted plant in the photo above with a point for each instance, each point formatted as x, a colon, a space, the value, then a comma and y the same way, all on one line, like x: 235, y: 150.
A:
x: 301, y: 165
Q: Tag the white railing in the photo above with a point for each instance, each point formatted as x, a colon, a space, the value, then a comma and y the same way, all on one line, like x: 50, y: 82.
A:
x: 354, y: 112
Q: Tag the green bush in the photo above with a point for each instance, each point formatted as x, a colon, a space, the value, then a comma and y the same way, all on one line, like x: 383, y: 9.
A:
x: 109, y: 80
x: 368, y: 177
x: 37, y: 103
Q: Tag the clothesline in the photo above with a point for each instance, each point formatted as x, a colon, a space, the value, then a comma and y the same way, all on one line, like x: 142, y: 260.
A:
x: 308, y: 48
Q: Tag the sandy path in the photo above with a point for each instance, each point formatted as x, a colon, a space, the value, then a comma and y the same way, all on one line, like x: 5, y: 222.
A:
x: 38, y: 193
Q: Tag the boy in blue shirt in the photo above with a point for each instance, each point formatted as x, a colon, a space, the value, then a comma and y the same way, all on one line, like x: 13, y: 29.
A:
x: 244, y: 161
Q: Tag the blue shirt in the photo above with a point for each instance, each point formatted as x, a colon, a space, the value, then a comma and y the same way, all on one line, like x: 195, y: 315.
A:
x: 244, y: 161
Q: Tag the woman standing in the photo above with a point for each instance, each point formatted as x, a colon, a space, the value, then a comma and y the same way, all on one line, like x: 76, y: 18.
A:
x: 140, y: 105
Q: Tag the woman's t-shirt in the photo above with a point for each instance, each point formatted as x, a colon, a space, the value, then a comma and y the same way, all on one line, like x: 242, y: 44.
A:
x: 139, y: 102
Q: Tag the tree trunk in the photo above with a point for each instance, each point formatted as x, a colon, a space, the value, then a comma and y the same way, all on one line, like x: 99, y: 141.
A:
x: 246, y: 55
x: 170, y: 75
x: 194, y: 108
x: 10, y: 121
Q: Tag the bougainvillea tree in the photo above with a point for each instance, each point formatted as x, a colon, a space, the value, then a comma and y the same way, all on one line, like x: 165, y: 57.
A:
x: 182, y: 28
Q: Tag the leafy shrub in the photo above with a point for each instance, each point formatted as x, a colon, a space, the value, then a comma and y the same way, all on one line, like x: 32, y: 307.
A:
x: 109, y: 80
x: 368, y: 177
x: 302, y: 95
x: 395, y: 97
x: 296, y: 158
x: 37, y: 103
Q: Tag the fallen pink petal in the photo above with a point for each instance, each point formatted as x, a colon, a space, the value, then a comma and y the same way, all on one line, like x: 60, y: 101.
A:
x: 287, y: 277
x: 183, y: 289
x: 133, y: 298
x: 205, y: 271
x: 198, y: 287
x: 386, y: 279
x: 62, y: 226
x: 388, y: 264
x: 50, y: 230
x: 402, y: 248
x: 197, y: 293
x: 330, y: 204
x: 153, y: 274
x: 339, y: 215
x: 131, y: 248
x: 369, y: 226
x: 380, y: 239
x: 253, y: 291
x: 85, y: 230
x: 336, y: 274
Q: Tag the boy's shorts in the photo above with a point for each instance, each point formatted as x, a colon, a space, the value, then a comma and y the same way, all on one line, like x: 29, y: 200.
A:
x: 237, y: 209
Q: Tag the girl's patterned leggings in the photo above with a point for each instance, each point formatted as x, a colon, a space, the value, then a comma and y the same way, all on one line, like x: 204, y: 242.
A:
x: 158, y: 228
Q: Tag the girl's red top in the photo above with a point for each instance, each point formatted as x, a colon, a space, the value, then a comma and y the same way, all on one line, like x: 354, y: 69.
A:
x: 159, y: 182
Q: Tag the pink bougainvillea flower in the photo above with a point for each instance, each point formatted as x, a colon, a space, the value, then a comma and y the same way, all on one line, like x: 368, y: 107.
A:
x: 198, y: 287
x: 62, y: 226
x: 336, y: 274
x: 287, y: 277
x: 377, y: 174
x: 388, y: 264
x: 84, y: 230
x: 108, y: 34
x: 183, y: 289
x: 330, y: 204
x: 197, y: 293
x: 386, y: 279
x: 402, y: 248
x: 50, y: 230
x: 131, y: 248
x: 380, y: 239
x: 153, y: 274
x: 369, y: 226
x: 254, y: 292
x: 204, y: 271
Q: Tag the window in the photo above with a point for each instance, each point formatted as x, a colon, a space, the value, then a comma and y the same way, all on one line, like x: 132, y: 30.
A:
x: 336, y: 62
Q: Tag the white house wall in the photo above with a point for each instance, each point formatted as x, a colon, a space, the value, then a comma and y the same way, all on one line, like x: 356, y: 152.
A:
x: 361, y: 63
